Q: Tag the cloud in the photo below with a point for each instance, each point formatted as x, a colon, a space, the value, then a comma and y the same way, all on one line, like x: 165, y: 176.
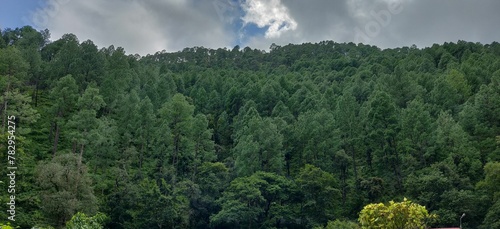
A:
x: 139, y: 26
x: 425, y: 22
x: 149, y: 26
x: 420, y: 22
x: 316, y: 20
x: 269, y: 13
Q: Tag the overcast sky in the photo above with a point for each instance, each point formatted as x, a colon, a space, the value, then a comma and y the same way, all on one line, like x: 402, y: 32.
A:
x: 148, y: 26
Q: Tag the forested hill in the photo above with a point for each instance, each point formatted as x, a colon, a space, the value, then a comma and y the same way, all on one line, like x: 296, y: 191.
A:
x: 290, y: 138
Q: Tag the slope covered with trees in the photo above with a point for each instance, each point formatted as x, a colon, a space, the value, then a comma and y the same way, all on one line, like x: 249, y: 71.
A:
x: 295, y: 137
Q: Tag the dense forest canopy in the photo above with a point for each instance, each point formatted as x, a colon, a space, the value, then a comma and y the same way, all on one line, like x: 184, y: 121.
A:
x: 296, y: 137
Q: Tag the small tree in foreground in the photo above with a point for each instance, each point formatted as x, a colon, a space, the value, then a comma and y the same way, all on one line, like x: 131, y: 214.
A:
x: 402, y: 215
x: 6, y: 226
x: 82, y: 221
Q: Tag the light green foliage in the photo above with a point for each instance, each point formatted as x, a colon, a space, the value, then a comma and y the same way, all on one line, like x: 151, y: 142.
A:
x: 19, y: 105
x: 82, y: 221
x: 6, y: 226
x: 492, y: 221
x: 492, y: 180
x: 42, y: 227
x: 395, y: 215
x: 458, y: 82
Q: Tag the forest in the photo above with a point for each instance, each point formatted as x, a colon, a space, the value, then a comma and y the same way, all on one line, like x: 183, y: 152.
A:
x: 299, y: 136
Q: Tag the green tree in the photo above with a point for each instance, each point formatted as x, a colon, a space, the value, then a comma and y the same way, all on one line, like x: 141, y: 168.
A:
x: 65, y: 189
x: 13, y: 72
x: 491, y: 180
x: 178, y: 115
x: 20, y: 106
x: 381, y: 124
x: 203, y: 144
x: 189, y: 138
x: 6, y: 226
x: 453, y: 144
x: 347, y: 117
x: 395, y: 215
x: 315, y: 139
x: 427, y: 185
x: 480, y: 118
x: 458, y: 82
x: 259, y: 148
x: 491, y: 221
x: 64, y: 96
x: 213, y: 179
x: 93, y: 64
x: 490, y: 186
x: 65, y: 57
x: 259, y: 200
x: 320, y: 196
x: 149, y: 210
x: 415, y: 137
x: 84, y: 124
x: 80, y: 221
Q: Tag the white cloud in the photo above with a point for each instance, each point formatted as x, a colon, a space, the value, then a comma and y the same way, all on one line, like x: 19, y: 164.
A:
x: 139, y: 26
x: 268, y: 13
x: 420, y: 22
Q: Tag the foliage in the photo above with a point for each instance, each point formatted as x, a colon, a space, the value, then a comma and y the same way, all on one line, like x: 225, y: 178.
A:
x: 6, y: 226
x: 340, y: 224
x: 259, y: 199
x: 395, y: 215
x: 82, y: 221
x: 66, y: 188
x: 299, y: 136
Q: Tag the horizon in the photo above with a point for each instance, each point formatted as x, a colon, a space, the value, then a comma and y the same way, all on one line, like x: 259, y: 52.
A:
x: 172, y: 25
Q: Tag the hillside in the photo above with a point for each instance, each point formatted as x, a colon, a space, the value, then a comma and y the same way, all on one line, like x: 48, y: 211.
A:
x: 293, y: 137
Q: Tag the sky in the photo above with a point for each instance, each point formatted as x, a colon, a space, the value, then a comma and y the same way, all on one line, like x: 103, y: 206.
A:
x: 148, y: 26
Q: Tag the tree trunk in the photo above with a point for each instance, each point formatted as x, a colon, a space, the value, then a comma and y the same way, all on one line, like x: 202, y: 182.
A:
x: 354, y: 166
x: 175, y: 160
x: 79, y: 167
x: 4, y: 106
x: 343, y: 172
x: 56, y: 140
x: 140, y: 156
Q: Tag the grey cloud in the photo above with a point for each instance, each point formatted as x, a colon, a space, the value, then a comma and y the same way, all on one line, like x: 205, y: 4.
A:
x: 142, y: 26
x: 149, y: 26
x: 426, y: 22
x: 421, y: 22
